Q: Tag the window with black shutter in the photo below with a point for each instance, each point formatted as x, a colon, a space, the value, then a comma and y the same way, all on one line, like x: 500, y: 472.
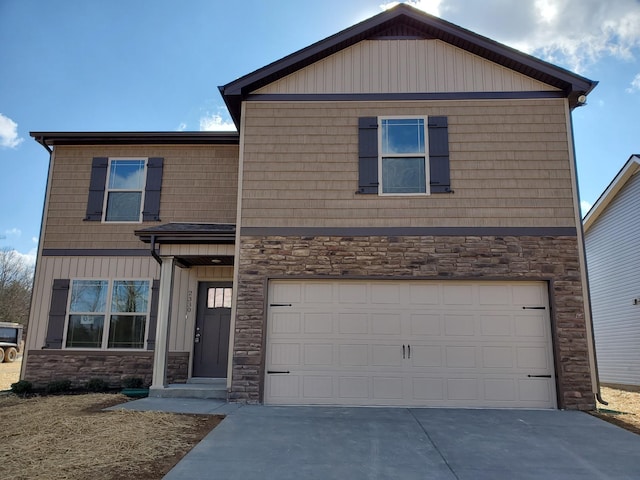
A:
x: 403, y: 155
x: 125, y: 189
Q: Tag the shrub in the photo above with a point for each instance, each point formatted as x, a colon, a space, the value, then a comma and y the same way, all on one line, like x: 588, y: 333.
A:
x: 58, y: 386
x: 22, y: 387
x: 132, y: 382
x: 97, y: 385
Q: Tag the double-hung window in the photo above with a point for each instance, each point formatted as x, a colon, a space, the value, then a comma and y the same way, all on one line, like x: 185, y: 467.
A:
x: 403, y: 167
x: 108, y: 314
x: 125, y: 190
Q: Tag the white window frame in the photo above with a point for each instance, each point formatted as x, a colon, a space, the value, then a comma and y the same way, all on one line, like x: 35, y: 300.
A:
x: 107, y: 190
x: 107, y: 315
x: 381, y: 155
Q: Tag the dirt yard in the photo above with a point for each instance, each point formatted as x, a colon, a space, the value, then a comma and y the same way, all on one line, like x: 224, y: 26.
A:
x: 10, y: 373
x: 623, y: 409
x: 70, y: 438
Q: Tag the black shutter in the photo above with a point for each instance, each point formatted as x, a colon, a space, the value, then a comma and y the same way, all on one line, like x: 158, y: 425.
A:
x: 439, y: 155
x: 57, y: 313
x: 96, y: 189
x: 153, y: 315
x: 151, y: 210
x: 368, y: 155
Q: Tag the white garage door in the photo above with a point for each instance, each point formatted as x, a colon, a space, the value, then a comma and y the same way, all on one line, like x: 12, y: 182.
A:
x: 449, y: 343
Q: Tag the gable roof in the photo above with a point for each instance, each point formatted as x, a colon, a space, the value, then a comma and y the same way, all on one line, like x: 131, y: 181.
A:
x: 626, y: 172
x: 404, y: 21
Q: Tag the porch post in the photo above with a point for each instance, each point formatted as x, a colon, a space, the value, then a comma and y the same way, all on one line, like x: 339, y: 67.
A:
x: 161, y: 352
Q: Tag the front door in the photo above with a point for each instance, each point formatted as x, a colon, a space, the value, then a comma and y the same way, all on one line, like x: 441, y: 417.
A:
x: 213, y: 320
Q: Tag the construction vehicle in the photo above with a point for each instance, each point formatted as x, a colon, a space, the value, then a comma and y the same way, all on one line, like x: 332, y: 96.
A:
x: 10, y: 340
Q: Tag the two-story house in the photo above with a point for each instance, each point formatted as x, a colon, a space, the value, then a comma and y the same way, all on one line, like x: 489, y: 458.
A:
x: 395, y: 223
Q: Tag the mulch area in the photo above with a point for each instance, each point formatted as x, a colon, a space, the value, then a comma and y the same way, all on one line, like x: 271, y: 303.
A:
x: 70, y: 437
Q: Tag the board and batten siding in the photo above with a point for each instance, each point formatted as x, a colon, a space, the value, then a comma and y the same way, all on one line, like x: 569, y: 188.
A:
x: 122, y: 268
x: 199, y: 184
x: 612, y: 247
x: 401, y: 66
x: 509, y: 163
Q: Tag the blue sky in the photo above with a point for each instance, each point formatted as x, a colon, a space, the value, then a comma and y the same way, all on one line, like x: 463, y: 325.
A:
x: 149, y: 65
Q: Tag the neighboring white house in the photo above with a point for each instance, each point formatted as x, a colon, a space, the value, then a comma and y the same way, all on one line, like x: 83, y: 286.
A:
x: 612, y: 237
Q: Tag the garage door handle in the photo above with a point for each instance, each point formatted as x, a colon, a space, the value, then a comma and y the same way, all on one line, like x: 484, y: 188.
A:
x: 278, y: 371
x: 534, y: 308
x: 279, y: 304
x: 403, y: 355
x: 539, y: 376
x: 409, y: 351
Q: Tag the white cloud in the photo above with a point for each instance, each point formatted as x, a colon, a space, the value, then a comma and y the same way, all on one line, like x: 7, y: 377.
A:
x: 429, y: 6
x: 9, y: 133
x: 13, y: 232
x: 635, y: 84
x: 28, y: 258
x: 575, y: 33
x: 585, y: 207
x: 34, y: 239
x: 215, y: 122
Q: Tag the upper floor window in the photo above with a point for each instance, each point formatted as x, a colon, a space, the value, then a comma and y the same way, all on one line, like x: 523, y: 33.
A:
x: 403, y: 168
x: 403, y: 155
x: 125, y: 190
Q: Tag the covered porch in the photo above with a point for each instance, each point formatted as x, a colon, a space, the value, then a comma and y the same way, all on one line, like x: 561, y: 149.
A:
x: 194, y: 307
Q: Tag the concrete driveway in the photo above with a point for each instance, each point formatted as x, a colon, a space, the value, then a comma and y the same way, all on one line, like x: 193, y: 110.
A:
x: 261, y: 442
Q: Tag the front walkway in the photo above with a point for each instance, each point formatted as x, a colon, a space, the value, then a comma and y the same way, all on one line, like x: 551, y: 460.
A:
x: 262, y: 442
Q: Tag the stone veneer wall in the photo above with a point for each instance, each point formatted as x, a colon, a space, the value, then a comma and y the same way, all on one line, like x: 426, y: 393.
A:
x: 44, y: 366
x: 552, y: 259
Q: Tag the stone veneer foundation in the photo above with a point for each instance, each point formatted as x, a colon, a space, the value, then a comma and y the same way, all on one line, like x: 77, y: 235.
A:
x: 44, y: 366
x: 552, y: 259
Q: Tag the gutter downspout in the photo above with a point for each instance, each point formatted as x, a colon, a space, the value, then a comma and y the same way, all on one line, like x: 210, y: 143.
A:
x: 154, y: 254
x: 583, y: 264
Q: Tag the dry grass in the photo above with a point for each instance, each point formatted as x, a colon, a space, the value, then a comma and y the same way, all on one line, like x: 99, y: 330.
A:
x: 70, y: 438
x: 9, y: 373
x: 623, y: 409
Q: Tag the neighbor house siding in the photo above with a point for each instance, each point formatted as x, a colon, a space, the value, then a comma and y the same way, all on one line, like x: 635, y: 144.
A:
x: 612, y: 246
x: 199, y: 184
x: 509, y: 165
x: 393, y: 66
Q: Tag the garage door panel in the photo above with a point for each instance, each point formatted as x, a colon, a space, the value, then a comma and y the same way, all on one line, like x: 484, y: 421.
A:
x: 425, y: 324
x: 532, y: 358
x: 459, y: 325
x: 387, y: 388
x: 494, y: 295
x: 428, y: 389
x: 284, y: 353
x: 317, y: 387
x: 387, y: 324
x: 496, y: 325
x: 320, y: 323
x: 466, y: 344
x: 498, y: 357
x: 426, y: 355
x: 424, y: 294
x: 385, y: 294
x: 531, y: 325
x: 352, y: 294
x: 285, y: 322
x: 318, y: 354
x: 353, y: 355
x: 389, y: 355
x: 353, y: 387
x: 500, y: 389
x: 353, y: 323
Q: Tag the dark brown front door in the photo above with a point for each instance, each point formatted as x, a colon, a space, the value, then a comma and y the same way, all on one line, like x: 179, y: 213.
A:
x: 213, y: 320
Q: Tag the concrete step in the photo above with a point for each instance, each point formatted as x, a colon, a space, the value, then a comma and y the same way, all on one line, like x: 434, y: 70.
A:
x: 198, y: 389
